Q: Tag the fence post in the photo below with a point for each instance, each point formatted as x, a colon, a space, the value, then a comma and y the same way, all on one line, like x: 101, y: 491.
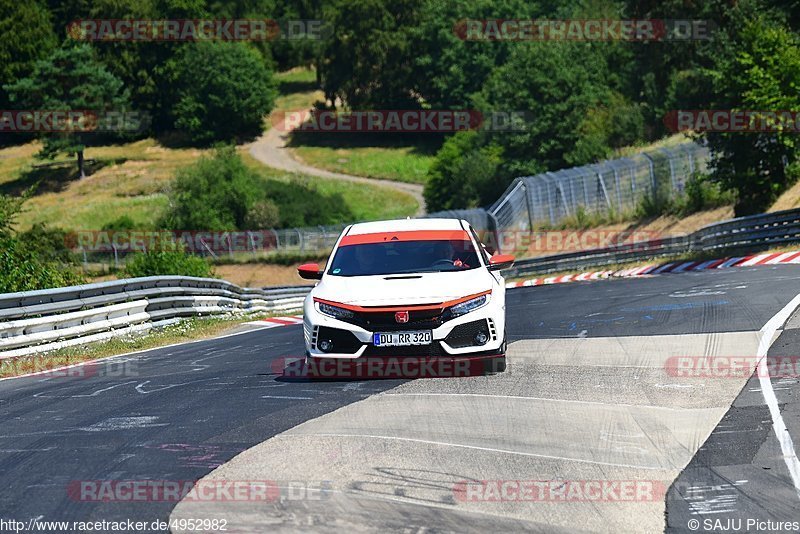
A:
x: 495, y: 229
x: 527, y: 204
x: 653, y: 183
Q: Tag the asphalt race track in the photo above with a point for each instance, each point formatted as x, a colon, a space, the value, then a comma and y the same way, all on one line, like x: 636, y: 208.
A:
x: 589, y: 397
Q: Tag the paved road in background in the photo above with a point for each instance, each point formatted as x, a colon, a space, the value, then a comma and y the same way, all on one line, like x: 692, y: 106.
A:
x: 270, y: 149
x: 585, y: 396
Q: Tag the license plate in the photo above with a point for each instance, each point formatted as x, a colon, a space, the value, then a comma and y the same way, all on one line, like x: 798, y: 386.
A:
x: 402, y: 339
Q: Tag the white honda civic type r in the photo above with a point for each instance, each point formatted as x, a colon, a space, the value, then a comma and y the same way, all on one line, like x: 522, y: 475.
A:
x: 423, y: 288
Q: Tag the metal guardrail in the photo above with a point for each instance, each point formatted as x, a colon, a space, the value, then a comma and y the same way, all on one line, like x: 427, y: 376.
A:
x: 38, y: 321
x: 754, y: 233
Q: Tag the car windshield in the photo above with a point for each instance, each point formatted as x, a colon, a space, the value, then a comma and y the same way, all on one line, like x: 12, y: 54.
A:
x: 400, y: 257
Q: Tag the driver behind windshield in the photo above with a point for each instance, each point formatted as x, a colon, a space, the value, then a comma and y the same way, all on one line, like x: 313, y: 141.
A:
x: 445, y: 251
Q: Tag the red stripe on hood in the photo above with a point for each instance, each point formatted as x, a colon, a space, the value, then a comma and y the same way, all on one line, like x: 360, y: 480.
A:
x: 406, y: 235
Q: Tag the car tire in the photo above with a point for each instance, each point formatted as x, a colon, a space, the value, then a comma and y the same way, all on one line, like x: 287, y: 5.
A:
x: 497, y: 365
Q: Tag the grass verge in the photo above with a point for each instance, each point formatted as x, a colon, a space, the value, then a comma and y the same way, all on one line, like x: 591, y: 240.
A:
x: 363, y: 201
x: 404, y: 159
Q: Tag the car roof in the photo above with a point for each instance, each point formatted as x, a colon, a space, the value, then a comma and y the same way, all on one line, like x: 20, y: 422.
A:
x: 400, y: 225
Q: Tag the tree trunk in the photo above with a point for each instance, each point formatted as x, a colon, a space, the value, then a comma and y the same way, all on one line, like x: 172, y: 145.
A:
x: 80, y: 164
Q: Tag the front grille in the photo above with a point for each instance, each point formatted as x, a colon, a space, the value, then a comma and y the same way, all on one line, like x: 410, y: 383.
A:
x: 414, y: 351
x: 464, y: 334
x: 344, y: 342
x: 385, y: 321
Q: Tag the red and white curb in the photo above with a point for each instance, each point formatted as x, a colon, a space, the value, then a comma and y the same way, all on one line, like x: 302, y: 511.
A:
x: 672, y: 267
x: 272, y: 322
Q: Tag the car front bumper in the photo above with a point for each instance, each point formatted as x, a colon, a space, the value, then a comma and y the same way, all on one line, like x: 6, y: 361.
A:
x: 453, y: 338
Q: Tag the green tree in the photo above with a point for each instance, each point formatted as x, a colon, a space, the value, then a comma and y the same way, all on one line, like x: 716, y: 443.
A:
x: 221, y: 92
x: 213, y: 194
x: 27, y: 37
x: 141, y: 65
x: 574, y: 113
x: 71, y: 79
x: 367, y: 62
x: 448, y: 68
x: 757, y: 70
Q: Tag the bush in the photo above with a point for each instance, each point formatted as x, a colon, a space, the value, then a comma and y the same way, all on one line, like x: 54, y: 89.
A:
x: 263, y: 215
x: 700, y: 193
x: 165, y: 259
x: 22, y: 269
x: 213, y: 194
x: 703, y: 194
x: 222, y: 92
x: 120, y: 224
x: 222, y: 194
x: 36, y: 259
x: 48, y: 243
x: 302, y: 204
x: 463, y: 174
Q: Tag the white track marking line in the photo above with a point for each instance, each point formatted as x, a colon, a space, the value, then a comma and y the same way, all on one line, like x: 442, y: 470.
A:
x: 489, y: 449
x: 536, y: 399
x: 778, y: 424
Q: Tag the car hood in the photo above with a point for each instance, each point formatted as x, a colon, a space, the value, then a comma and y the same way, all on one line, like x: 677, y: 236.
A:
x: 406, y: 289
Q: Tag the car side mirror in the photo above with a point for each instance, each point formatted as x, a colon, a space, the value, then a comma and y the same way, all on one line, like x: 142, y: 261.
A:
x: 500, y: 261
x: 309, y: 271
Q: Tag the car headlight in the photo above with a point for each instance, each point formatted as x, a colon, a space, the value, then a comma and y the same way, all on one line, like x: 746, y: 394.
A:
x: 469, y: 305
x: 335, y: 311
